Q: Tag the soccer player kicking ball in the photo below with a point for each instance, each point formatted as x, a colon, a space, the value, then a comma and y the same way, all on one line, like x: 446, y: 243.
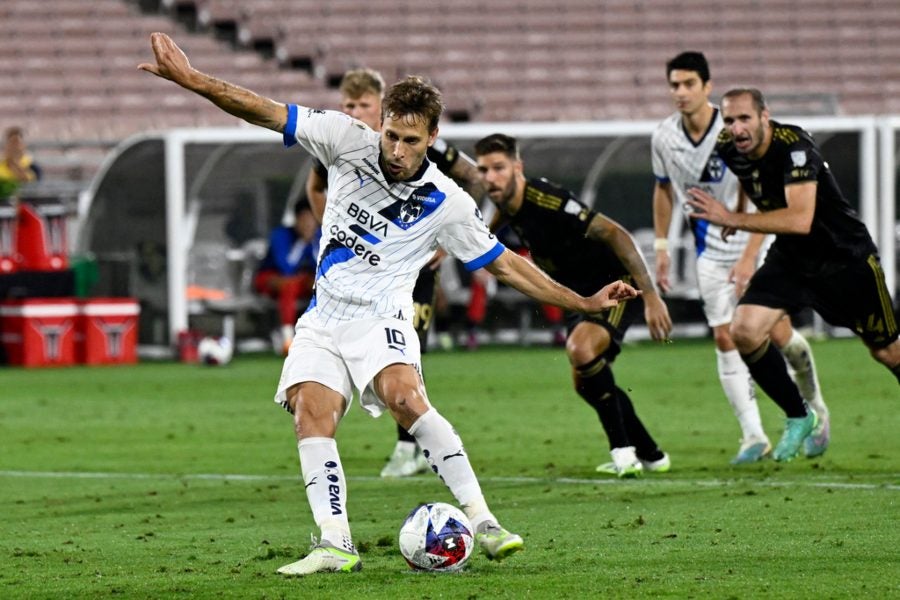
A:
x: 362, y: 92
x: 388, y: 212
x: 822, y: 257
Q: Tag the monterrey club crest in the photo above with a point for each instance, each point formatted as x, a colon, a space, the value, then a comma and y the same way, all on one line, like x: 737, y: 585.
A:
x: 419, y: 205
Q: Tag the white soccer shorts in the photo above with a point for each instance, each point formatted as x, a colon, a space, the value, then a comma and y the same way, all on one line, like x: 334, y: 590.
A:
x: 716, y: 292
x: 346, y: 358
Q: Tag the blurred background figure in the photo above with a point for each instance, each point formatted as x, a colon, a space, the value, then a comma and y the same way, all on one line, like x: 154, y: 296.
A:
x: 17, y: 166
x: 288, y: 270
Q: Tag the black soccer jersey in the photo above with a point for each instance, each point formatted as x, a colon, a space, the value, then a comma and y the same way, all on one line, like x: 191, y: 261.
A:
x: 837, y: 235
x: 552, y: 224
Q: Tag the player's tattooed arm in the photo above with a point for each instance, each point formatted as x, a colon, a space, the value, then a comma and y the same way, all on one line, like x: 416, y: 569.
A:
x: 604, y: 229
x: 173, y: 64
x: 465, y: 172
x: 244, y: 104
x: 656, y: 314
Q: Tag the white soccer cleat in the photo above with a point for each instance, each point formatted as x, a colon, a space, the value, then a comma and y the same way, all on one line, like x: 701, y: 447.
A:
x: 625, y: 463
x: 660, y: 465
x: 496, y: 542
x: 325, y: 557
x: 405, y: 461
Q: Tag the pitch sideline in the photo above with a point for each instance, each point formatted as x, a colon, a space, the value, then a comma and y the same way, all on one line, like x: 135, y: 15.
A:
x: 654, y: 480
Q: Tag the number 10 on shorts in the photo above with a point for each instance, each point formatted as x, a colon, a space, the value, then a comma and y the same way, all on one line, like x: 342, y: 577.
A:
x: 395, y: 339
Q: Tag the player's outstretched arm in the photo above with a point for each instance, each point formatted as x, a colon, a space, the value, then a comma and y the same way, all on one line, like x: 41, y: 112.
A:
x: 173, y: 64
x: 523, y: 275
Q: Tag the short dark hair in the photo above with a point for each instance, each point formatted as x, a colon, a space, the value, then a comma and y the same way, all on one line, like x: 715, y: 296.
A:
x: 414, y: 96
x: 498, y: 142
x: 759, y: 101
x: 689, y: 61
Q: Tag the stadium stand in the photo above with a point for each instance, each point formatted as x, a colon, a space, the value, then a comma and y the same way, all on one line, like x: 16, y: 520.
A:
x: 69, y: 76
x: 68, y: 73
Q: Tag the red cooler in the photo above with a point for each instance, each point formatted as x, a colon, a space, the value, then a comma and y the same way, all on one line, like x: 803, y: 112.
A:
x: 39, y: 332
x: 108, y: 330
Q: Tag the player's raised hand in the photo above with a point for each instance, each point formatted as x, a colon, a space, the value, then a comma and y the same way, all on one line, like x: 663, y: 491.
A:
x: 171, y: 62
x: 610, y: 295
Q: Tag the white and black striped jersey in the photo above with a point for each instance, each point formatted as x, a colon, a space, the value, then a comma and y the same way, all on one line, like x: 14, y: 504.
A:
x: 377, y: 233
x: 685, y: 164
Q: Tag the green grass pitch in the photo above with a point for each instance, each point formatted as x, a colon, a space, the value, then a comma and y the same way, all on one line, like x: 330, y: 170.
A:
x: 164, y: 480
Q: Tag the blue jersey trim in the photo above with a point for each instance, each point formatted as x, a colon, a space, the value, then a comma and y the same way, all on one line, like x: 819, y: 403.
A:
x: 663, y: 179
x: 335, y: 257
x: 701, y: 227
x: 290, y: 128
x: 486, y: 258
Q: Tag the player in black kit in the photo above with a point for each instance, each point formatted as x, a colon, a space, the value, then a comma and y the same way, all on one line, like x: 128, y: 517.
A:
x: 823, y: 256
x: 583, y: 250
x: 362, y: 91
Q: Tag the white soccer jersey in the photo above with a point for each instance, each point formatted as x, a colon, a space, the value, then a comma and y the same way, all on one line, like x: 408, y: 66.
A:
x: 678, y: 160
x: 378, y: 233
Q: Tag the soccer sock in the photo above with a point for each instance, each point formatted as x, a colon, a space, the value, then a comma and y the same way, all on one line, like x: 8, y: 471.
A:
x: 644, y: 444
x: 326, y: 489
x: 404, y: 436
x: 595, y: 383
x: 445, y: 453
x: 769, y: 369
x: 738, y: 387
x: 800, y: 358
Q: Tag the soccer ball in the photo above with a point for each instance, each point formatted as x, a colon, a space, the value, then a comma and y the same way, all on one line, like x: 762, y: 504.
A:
x: 436, y: 537
x: 215, y: 351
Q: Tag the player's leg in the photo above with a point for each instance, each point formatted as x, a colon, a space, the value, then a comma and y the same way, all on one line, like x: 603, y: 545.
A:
x: 868, y: 310
x: 750, y: 332
x: 317, y: 410
x: 401, y: 390
x: 741, y: 394
x: 407, y: 459
x: 719, y: 298
x: 797, y: 352
x: 889, y: 356
x: 314, y: 386
x: 476, y: 311
x: 590, y: 350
